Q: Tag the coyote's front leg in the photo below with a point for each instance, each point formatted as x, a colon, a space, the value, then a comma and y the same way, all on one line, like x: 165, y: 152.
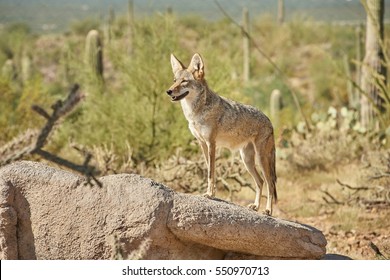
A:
x: 211, y: 169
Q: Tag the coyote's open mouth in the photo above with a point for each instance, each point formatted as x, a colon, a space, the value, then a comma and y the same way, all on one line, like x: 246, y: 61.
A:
x: 180, y: 97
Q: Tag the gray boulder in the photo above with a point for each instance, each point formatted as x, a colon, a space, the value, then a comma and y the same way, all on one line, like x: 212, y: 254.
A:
x: 47, y: 213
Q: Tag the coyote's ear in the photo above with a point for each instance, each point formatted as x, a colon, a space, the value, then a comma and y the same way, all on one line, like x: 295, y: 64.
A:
x: 197, y: 66
x: 176, y: 64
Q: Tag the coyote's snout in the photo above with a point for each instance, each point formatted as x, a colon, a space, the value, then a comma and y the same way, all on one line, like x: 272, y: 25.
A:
x: 217, y: 121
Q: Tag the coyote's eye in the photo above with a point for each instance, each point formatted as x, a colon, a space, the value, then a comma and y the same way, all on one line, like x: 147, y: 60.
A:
x: 184, y: 83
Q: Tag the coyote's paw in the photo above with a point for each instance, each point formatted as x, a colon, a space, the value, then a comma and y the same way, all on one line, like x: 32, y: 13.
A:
x: 253, y: 207
x: 267, y: 212
x: 209, y: 196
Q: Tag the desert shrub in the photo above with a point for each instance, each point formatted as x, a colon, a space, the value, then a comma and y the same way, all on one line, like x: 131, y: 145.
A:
x: 33, y: 93
x: 15, y: 107
x: 13, y: 37
x: 82, y: 27
x: 8, y: 120
x: 336, y: 138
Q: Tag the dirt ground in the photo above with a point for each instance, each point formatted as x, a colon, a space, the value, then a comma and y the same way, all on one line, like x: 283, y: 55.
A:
x: 352, y: 212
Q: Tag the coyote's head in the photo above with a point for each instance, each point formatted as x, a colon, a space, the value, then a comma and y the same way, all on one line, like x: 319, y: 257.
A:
x: 186, y: 80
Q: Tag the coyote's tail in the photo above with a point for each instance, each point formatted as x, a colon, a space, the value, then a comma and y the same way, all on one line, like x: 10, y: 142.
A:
x: 273, y: 173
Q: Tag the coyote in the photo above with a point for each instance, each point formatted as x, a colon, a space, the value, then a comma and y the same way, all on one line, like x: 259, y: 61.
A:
x: 217, y: 121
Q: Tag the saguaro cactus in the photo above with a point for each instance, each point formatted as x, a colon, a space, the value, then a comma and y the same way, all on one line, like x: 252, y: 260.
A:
x: 246, y: 46
x: 373, y: 69
x: 110, y: 24
x: 9, y: 70
x: 281, y: 11
x: 275, y: 106
x: 65, y: 59
x: 26, y: 67
x: 94, y: 54
x: 352, y: 99
x: 130, y: 20
x: 359, y: 50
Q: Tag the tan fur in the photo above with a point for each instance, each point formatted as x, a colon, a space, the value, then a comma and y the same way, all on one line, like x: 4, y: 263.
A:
x: 217, y: 121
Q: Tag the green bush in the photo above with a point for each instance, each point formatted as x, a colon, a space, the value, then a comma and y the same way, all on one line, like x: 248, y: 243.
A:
x: 82, y: 27
x: 15, y: 107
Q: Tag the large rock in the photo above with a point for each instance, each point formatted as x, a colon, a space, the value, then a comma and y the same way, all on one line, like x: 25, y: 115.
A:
x: 48, y: 213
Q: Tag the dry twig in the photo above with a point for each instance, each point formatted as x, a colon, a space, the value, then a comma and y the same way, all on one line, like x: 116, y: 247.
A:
x: 378, y: 253
x: 350, y: 187
x: 333, y: 199
x: 379, y: 196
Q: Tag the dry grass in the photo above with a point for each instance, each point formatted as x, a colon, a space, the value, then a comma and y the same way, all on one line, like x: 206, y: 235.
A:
x: 352, y: 223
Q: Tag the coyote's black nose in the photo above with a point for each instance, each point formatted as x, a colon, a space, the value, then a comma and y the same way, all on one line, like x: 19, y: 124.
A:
x: 169, y: 92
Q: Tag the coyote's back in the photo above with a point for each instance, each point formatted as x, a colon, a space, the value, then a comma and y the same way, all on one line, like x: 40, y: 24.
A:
x: 217, y: 121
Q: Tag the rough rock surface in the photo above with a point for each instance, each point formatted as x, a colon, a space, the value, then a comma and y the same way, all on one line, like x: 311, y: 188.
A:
x: 47, y: 213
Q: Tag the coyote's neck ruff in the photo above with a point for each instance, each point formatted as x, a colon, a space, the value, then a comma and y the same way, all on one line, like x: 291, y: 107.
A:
x: 217, y: 121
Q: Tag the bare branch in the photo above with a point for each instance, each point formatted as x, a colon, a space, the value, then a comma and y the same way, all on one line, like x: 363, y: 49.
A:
x: 20, y: 146
x: 40, y: 111
x: 351, y: 188
x: 333, y: 199
x: 377, y: 251
x: 380, y: 176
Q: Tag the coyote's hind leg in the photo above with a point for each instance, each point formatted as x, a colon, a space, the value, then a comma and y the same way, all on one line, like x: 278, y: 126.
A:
x: 265, y: 150
x: 248, y: 157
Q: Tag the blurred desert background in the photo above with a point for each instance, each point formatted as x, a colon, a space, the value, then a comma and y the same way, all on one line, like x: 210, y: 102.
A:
x: 312, y: 66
